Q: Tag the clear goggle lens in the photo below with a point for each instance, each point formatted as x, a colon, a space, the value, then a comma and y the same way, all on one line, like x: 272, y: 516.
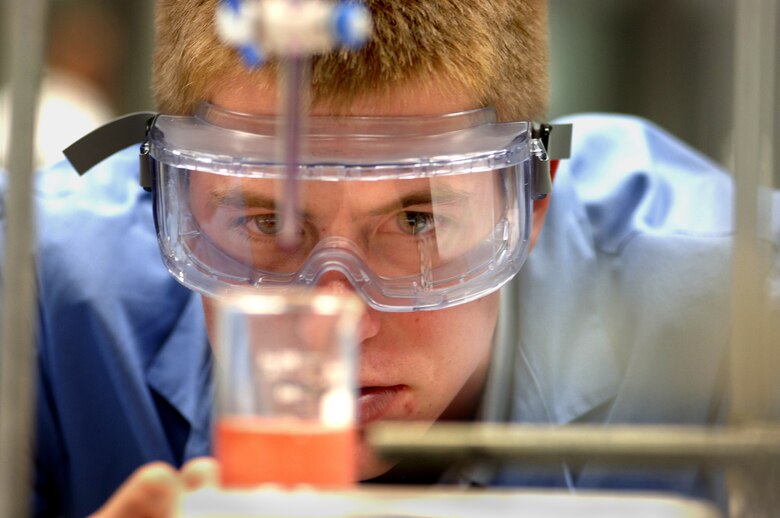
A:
x: 418, y: 235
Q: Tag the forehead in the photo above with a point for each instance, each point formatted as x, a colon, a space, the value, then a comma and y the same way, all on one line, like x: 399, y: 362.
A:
x: 424, y: 96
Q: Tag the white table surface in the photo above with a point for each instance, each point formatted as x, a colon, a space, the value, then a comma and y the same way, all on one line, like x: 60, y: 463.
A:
x: 406, y: 502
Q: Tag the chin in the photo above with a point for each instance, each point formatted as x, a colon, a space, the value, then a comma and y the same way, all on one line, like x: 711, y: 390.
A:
x: 369, y: 465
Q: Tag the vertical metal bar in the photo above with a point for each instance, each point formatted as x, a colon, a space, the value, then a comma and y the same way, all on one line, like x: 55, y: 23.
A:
x: 753, y: 349
x: 26, y: 32
x: 754, y: 127
x: 293, y: 112
x: 136, y: 75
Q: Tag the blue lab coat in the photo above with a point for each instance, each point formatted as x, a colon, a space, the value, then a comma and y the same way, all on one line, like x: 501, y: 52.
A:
x: 619, y: 315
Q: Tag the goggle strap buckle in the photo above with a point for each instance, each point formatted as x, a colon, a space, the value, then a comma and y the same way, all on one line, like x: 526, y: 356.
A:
x: 145, y: 167
x: 544, y: 148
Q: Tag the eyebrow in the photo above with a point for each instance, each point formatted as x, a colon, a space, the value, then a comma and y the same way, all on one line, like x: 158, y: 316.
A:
x: 241, y: 199
x: 244, y: 199
x: 444, y: 195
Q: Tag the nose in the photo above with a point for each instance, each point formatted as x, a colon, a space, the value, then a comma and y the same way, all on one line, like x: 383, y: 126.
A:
x: 336, y: 283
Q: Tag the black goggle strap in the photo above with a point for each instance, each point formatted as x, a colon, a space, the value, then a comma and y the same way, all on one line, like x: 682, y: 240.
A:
x: 101, y: 143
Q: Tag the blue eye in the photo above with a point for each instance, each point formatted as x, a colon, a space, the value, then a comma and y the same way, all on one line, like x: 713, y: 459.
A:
x: 415, y: 223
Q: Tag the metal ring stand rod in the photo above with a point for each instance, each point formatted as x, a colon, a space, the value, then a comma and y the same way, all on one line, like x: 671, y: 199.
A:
x: 25, y: 33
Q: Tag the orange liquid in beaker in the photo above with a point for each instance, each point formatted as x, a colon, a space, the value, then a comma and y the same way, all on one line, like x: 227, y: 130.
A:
x: 254, y: 451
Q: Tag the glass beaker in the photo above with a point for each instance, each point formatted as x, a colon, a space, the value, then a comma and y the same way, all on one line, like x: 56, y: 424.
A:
x: 286, y: 388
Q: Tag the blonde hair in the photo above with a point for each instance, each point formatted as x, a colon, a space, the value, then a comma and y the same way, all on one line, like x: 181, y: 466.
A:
x: 497, y: 49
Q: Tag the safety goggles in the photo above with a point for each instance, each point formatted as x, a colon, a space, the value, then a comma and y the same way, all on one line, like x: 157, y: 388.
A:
x: 417, y: 213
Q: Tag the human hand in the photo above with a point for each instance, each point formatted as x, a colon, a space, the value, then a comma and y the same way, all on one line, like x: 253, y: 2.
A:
x: 154, y: 490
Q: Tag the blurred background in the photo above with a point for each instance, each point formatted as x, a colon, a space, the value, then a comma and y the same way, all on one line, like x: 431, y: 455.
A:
x: 670, y: 61
x: 98, y: 66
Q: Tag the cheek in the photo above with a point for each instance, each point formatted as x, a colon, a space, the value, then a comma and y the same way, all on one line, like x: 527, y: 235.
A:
x: 439, y: 349
x: 462, y: 328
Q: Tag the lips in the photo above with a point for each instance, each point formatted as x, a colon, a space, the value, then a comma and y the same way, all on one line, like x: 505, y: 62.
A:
x: 375, y: 402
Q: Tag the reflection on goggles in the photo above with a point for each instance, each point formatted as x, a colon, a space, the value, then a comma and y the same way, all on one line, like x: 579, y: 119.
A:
x: 341, y: 255
x: 405, y: 243
x: 399, y: 227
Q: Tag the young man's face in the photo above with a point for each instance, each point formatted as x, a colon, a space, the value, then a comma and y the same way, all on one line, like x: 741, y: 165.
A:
x: 419, y: 366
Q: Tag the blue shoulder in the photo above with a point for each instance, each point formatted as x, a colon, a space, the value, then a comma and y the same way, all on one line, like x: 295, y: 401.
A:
x: 98, y: 257
x: 633, y: 177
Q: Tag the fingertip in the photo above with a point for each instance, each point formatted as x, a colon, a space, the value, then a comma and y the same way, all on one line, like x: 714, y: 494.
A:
x: 157, y: 482
x: 157, y: 474
x: 199, y: 472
